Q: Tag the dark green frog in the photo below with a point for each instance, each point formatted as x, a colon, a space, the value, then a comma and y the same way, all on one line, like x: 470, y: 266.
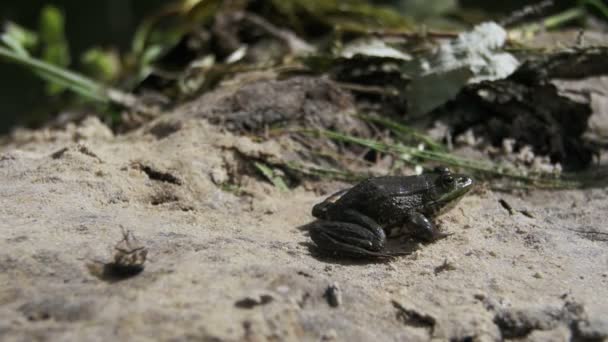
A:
x: 353, y: 221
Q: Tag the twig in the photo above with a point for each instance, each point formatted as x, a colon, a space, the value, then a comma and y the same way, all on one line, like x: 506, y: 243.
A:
x: 367, y: 89
x: 415, y: 34
x: 526, y: 12
x: 296, y: 45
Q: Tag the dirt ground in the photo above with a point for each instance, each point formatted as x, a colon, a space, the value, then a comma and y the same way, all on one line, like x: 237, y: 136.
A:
x: 226, y: 265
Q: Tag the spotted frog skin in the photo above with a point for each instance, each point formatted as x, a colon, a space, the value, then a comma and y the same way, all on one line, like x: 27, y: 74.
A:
x: 352, y: 222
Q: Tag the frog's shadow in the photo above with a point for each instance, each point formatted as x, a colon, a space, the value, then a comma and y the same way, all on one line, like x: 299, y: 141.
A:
x: 395, y: 247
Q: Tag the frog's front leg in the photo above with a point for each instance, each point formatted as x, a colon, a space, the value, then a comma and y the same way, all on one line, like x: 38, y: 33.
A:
x: 423, y: 228
x: 357, y: 235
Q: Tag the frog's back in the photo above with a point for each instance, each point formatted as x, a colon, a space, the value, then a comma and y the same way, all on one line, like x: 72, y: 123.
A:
x: 398, y: 185
x: 387, y: 198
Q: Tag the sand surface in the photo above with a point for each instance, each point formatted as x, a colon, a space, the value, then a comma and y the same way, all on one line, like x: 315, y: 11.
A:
x: 235, y: 265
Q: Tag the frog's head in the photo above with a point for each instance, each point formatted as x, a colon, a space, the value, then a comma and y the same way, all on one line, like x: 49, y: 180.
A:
x: 449, y: 189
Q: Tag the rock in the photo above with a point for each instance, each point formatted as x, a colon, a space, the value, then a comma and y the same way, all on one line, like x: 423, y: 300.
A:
x: 333, y: 294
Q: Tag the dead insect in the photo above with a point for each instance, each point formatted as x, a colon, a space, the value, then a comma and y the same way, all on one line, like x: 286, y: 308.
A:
x: 129, y: 259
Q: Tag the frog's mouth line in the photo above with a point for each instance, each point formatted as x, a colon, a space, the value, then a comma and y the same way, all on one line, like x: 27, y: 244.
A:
x: 463, y: 185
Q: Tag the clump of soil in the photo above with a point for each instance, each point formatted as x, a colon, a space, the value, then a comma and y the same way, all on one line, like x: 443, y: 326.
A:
x: 531, y: 109
x: 258, y: 105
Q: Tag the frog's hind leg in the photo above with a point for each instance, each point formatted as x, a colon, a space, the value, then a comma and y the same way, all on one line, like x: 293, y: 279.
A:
x: 353, y: 234
x: 344, y: 238
x: 378, y: 236
x: 423, y: 228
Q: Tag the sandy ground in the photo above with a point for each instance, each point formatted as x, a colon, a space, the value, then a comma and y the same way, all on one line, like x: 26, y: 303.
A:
x: 223, y: 267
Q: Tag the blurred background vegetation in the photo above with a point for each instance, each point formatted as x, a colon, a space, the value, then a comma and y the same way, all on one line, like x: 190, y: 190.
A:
x: 111, y: 24
x: 108, y: 23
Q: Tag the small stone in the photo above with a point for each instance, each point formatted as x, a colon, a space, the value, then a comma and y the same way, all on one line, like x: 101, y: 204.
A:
x: 508, y: 145
x: 329, y: 335
x: 218, y: 175
x: 253, y: 301
x: 283, y: 289
x: 480, y: 296
x: 538, y: 275
x: 333, y: 294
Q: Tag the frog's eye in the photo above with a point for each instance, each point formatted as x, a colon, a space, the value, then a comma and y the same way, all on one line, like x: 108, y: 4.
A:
x: 447, y: 180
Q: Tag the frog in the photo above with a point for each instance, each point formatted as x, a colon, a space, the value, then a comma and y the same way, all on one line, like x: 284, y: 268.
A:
x: 354, y: 222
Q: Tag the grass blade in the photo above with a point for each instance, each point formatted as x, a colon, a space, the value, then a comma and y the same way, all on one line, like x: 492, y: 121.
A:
x: 276, y: 180
x: 410, y: 154
x: 402, y: 130
x: 77, y: 83
x: 50, y: 72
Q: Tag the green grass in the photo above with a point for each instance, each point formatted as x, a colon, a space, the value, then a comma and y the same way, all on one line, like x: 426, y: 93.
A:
x: 52, y: 73
x: 417, y: 156
x: 79, y: 84
x: 269, y: 174
x: 404, y: 132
